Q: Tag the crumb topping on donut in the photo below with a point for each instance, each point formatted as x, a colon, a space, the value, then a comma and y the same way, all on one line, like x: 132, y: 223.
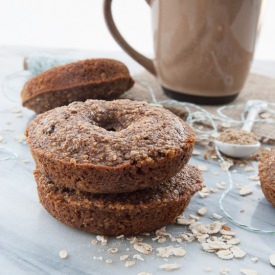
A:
x: 109, y: 133
x: 267, y: 168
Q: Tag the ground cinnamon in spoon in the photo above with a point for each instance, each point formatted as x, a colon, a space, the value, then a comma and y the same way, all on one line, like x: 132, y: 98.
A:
x: 237, y: 136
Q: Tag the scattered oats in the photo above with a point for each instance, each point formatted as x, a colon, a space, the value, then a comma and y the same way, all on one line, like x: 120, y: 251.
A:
x: 225, y: 254
x: 161, y: 239
x: 189, y: 237
x: 143, y: 248
x: 170, y: 267
x: 202, y: 167
x: 224, y: 271
x: 144, y: 273
x: 120, y: 237
x: 25, y: 161
x: 213, y: 239
x: 162, y: 232
x: 196, y: 153
x: 227, y: 232
x: 123, y: 257
x: 108, y: 261
x: 254, y: 177
x: 265, y: 115
x: 2, y: 139
x: 102, y: 239
x: 233, y: 241
x: 245, y: 191
x: 112, y: 250
x: 234, y: 171
x: 237, y: 252
x: 254, y: 259
x: 214, y: 135
x: 21, y: 139
x: 205, y: 189
x: 248, y: 168
x: 173, y: 239
x: 8, y: 122
x: 216, y: 216
x: 202, y: 211
x: 245, y: 271
x: 8, y: 129
x: 225, y: 165
x: 239, y: 186
x: 184, y: 221
x: 214, y: 246
x: 213, y: 190
x: 19, y: 115
x: 94, y: 242
x: 225, y: 125
x: 16, y: 110
x: 214, y: 227
x: 179, y: 240
x: 134, y: 239
x: 221, y: 185
x: 100, y: 258
x: 155, y: 239
x: 129, y: 263
x: 196, y: 218
x: 272, y: 259
x: 200, y: 228
x: 63, y: 254
x: 166, y: 252
x: 208, y: 269
x: 216, y: 173
x: 203, y: 195
x: 146, y: 234
x: 138, y: 257
x: 202, y: 237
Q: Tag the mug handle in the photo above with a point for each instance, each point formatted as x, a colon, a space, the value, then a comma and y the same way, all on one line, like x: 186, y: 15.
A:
x: 147, y: 63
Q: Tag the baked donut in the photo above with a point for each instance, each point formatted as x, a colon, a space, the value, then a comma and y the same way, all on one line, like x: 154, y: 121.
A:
x: 109, y: 146
x: 267, y: 175
x: 126, y: 213
x: 87, y: 79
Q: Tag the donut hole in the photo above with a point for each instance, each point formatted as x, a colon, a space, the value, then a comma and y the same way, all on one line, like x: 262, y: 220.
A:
x: 111, y: 125
x: 111, y: 120
x: 110, y: 128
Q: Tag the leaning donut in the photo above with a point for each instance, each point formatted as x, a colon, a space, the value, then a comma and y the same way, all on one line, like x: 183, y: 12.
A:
x: 98, y: 78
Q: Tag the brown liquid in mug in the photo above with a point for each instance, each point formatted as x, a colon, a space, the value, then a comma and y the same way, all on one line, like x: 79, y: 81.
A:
x: 204, y: 48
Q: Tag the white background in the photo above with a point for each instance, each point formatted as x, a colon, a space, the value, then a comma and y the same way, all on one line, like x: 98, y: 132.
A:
x: 79, y: 24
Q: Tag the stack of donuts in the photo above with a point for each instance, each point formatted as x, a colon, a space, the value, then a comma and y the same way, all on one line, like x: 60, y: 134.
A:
x: 107, y: 167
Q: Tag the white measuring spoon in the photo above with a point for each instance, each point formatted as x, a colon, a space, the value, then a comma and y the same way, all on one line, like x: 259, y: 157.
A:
x: 241, y: 150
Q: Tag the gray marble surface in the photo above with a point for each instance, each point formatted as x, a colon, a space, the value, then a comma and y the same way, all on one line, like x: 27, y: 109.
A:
x: 30, y: 239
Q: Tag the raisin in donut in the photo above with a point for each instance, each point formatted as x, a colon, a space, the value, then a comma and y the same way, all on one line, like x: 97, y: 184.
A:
x: 267, y: 175
x: 126, y: 213
x: 86, y: 79
x: 109, y: 146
